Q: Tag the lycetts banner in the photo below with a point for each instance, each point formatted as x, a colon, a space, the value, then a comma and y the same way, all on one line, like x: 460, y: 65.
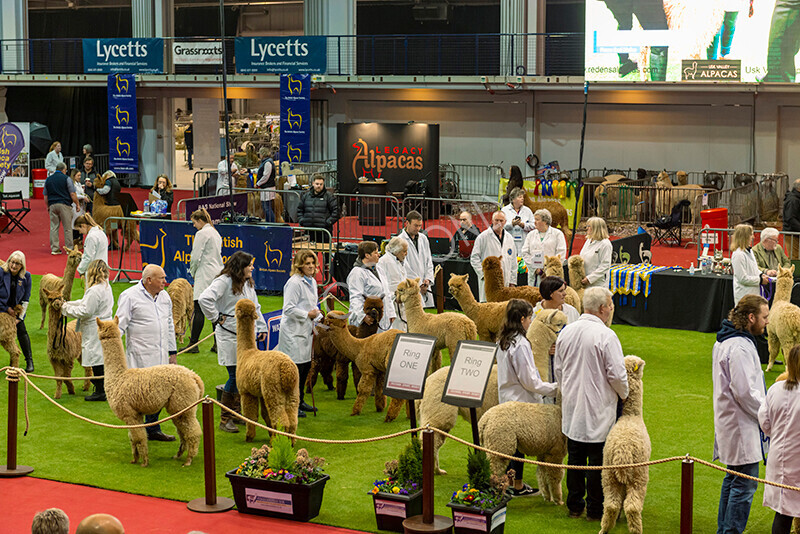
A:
x: 142, y: 56
x: 277, y: 55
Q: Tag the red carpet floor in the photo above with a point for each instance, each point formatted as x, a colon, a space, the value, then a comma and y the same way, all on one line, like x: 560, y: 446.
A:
x: 31, y: 495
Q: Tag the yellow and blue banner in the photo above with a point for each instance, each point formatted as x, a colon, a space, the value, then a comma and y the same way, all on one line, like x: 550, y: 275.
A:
x: 549, y: 190
x: 169, y: 245
x: 276, y: 55
x: 295, y: 117
x: 143, y: 56
x: 123, y: 139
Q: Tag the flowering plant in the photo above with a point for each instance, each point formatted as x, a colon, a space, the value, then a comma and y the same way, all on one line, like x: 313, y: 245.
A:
x: 484, y: 490
x: 280, y: 463
x: 402, y: 476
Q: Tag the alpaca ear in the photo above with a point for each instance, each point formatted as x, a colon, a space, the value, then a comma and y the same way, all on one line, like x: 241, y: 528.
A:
x: 116, y: 320
x: 466, y: 277
x: 99, y: 322
x: 416, y: 280
x: 792, y: 268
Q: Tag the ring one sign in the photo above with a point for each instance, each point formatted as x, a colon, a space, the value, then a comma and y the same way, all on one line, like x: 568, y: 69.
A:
x: 408, y: 366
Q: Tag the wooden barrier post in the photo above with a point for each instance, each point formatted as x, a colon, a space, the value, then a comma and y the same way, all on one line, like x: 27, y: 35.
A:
x: 687, y: 495
x: 427, y: 522
x: 11, y: 469
x: 438, y: 283
x: 210, y: 503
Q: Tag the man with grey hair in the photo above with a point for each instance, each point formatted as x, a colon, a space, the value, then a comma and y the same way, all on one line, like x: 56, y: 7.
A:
x: 495, y: 241
x: 392, y: 268
x: 59, y: 195
x: 50, y: 521
x: 769, y: 254
x: 590, y: 368
x: 791, y: 219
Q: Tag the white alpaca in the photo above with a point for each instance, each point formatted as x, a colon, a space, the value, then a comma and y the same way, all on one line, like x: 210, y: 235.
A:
x: 542, y: 333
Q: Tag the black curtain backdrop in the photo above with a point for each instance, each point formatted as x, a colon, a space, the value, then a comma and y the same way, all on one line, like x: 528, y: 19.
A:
x: 75, y: 115
x: 204, y: 21
x: 79, y: 23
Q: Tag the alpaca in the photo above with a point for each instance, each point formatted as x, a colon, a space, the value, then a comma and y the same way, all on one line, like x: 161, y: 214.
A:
x: 699, y: 21
x: 266, y: 375
x: 487, y: 316
x: 577, y: 272
x: 542, y: 333
x: 557, y: 212
x: 134, y: 393
x: 668, y: 195
x: 63, y: 343
x: 101, y: 212
x: 448, y: 328
x: 51, y: 281
x: 180, y: 291
x: 627, y: 443
x: 605, y: 197
x: 496, y: 291
x: 432, y: 411
x: 783, y: 330
x: 8, y: 336
x: 370, y: 356
x: 533, y: 429
x: 554, y: 267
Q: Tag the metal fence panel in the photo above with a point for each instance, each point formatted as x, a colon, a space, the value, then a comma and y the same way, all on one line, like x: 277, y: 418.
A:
x: 372, y: 216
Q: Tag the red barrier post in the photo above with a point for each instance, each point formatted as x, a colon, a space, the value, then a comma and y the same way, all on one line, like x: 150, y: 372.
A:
x: 427, y: 523
x: 210, y: 503
x: 687, y: 495
x: 11, y: 469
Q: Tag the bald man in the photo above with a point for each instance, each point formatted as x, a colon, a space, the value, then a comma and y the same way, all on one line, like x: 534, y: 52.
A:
x: 467, y: 231
x: 100, y: 524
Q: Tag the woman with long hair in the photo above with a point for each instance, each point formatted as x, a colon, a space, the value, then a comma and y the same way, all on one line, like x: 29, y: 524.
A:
x: 596, y: 253
x: 95, y: 246
x: 518, y: 379
x: 218, y: 303
x: 205, y: 265
x: 747, y: 277
x: 79, y: 208
x: 300, y: 310
x: 15, y: 290
x: 162, y: 190
x: 97, y: 301
x: 54, y: 157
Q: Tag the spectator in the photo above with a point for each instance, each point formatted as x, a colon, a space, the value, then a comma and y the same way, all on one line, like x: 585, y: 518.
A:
x: 590, y: 368
x: 494, y: 241
x: 519, y: 218
x: 100, y: 524
x: 392, y: 268
x: 223, y: 182
x: 110, y: 191
x: 769, y: 254
x: 80, y: 208
x: 88, y: 176
x: 318, y: 209
x: 205, y: 265
x: 53, y: 157
x: 188, y: 141
x: 791, y: 219
x: 596, y: 253
x: 59, y: 195
x: 746, y: 275
x: 15, y: 289
x: 550, y: 241
x: 738, y: 395
x: 265, y: 179
x: 88, y: 151
x: 162, y: 190
x: 95, y: 247
x: 145, y: 319
x: 467, y: 231
x: 364, y: 281
x: 419, y: 262
x: 514, y: 180
x: 553, y: 290
x: 50, y: 521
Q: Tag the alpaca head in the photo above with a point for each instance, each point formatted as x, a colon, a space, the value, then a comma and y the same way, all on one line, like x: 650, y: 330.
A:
x: 553, y: 266
x: 54, y: 296
x: 407, y: 289
x: 108, y: 329
x: 683, y: 177
x: 785, y: 278
x: 99, y: 182
x: 245, y: 309
x: 576, y: 265
x: 373, y: 306
x: 74, y: 255
x: 553, y: 320
x: 634, y: 366
x: 492, y: 264
x: 336, y: 320
x: 663, y: 179
x: 458, y: 284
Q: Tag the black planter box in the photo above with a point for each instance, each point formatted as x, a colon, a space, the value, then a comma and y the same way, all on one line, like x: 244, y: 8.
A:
x: 470, y: 520
x: 392, y: 509
x: 298, y: 502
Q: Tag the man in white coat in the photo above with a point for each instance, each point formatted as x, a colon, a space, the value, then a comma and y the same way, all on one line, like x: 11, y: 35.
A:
x: 590, y: 368
x: 364, y: 281
x: 739, y: 393
x: 392, y: 268
x: 419, y: 263
x: 495, y: 241
x: 145, y: 319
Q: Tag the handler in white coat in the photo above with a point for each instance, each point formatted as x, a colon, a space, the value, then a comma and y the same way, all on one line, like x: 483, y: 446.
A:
x: 205, y: 265
x: 519, y: 218
x: 550, y: 241
x: 419, y: 262
x: 95, y: 245
x: 747, y: 277
x: 300, y: 310
x: 97, y: 301
x: 495, y: 241
x: 391, y: 267
x: 596, y: 253
x: 364, y: 281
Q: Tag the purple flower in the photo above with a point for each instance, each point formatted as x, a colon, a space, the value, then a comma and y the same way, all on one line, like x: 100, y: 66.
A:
x: 289, y: 476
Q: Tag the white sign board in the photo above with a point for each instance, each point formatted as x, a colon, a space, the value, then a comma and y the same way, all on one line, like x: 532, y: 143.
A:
x: 19, y: 178
x: 197, y: 53
x: 469, y: 373
x: 408, y: 366
x: 537, y: 261
x: 271, y: 501
x: 384, y: 507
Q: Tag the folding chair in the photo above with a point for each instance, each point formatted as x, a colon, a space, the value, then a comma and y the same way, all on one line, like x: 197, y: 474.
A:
x: 14, y: 214
x: 668, y: 227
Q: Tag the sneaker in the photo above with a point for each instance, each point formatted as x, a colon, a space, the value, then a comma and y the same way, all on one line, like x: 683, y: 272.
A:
x: 55, y: 253
x: 307, y: 407
x: 575, y: 515
x: 160, y: 436
x: 95, y: 397
x: 524, y: 491
x: 301, y: 413
x: 193, y: 350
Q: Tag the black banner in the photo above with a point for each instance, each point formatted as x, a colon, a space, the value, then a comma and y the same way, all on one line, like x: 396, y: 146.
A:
x: 631, y: 249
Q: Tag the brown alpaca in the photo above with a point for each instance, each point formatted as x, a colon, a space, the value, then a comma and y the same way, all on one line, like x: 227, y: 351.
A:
x: 8, y: 335
x: 487, y: 316
x: 577, y: 272
x: 268, y: 376
x: 370, y: 356
x: 51, y: 281
x: 496, y: 290
x: 554, y: 267
x: 557, y: 212
x: 448, y: 328
x: 63, y: 344
x: 134, y: 393
x: 783, y: 330
x: 180, y: 291
x: 101, y: 212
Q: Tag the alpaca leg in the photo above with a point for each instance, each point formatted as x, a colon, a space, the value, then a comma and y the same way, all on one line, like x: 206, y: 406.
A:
x: 380, y: 398
x: 395, y: 405
x: 13, y: 351
x: 57, y: 371
x: 342, y: 375
x: 774, y: 348
x: 364, y: 389
x: 438, y: 441
x: 68, y: 373
x: 311, y: 381
x: 87, y: 384
x: 250, y: 411
x: 326, y: 371
x: 612, y: 502
x: 138, y: 436
x: 436, y: 361
x: 356, y: 375
x: 550, y: 480
x: 634, y: 502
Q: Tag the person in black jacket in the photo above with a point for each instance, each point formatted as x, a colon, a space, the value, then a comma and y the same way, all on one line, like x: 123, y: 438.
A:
x: 15, y: 289
x: 318, y: 209
x: 791, y: 220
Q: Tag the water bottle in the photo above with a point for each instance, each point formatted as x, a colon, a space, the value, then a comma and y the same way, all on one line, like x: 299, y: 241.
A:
x: 146, y: 206
x: 691, y: 268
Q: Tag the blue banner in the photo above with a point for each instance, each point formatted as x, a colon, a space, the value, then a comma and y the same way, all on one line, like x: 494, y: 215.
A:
x: 11, y: 144
x: 273, y: 320
x: 295, y: 117
x: 275, y: 55
x: 143, y: 56
x: 169, y: 244
x: 216, y: 206
x: 123, y: 134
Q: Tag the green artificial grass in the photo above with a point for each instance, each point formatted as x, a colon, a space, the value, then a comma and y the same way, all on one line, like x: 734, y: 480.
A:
x: 677, y: 407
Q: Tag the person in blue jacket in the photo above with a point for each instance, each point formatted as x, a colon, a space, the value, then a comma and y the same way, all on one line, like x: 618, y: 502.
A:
x: 15, y: 289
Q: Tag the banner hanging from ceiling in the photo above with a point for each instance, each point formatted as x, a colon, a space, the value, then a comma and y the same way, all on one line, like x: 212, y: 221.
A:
x: 295, y: 117
x: 123, y: 139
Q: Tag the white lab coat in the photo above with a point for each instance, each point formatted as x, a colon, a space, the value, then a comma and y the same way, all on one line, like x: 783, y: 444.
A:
x: 590, y: 367
x: 779, y: 417
x: 419, y: 264
x: 51, y: 160
x: 393, y: 271
x: 739, y: 392
x: 570, y: 311
x: 552, y: 243
x: 746, y: 274
x: 299, y: 298
x: 526, y: 215
x: 362, y: 283
x: 597, y: 261
x: 487, y: 244
x: 218, y: 299
x: 206, y: 258
x: 147, y: 325
x: 95, y: 247
x: 518, y: 378
x: 223, y: 181
x: 97, y: 301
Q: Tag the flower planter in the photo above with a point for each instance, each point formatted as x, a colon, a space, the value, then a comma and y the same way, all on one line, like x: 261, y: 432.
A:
x: 298, y: 502
x: 392, y: 509
x: 471, y: 520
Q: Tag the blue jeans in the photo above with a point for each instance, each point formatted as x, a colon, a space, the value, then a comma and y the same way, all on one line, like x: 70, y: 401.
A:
x: 269, y: 216
x: 735, y: 499
x: 151, y: 419
x: 230, y: 385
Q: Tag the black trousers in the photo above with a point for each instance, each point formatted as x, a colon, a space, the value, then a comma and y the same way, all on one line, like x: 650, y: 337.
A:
x: 517, y: 466
x: 99, y: 385
x: 303, y: 369
x: 198, y: 320
x: 649, y: 13
x: 584, y: 483
x: 24, y: 340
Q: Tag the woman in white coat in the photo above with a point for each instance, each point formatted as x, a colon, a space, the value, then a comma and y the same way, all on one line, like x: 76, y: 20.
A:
x: 205, y: 265
x: 53, y: 158
x: 364, y: 281
x: 218, y: 303
x: 747, y: 277
x: 519, y: 218
x: 300, y: 309
x: 97, y: 301
x: 550, y: 241
x: 95, y: 245
x: 391, y: 267
x: 596, y: 253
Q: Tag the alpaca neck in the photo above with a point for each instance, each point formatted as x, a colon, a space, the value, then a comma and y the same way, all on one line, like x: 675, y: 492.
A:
x: 245, y: 336
x: 345, y: 342
x: 494, y: 280
x: 98, y: 199
x: 783, y: 290
x: 114, y: 363
x: 466, y: 300
x: 53, y: 323
x: 69, y: 278
x: 633, y: 404
x: 413, y: 307
x: 576, y: 274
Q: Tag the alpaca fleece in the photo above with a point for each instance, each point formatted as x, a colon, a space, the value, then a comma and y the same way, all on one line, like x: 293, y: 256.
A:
x: 496, y: 291
x: 542, y: 334
x: 180, y: 292
x: 577, y: 272
x: 52, y: 282
x: 101, y: 212
x: 63, y: 343
x: 487, y: 316
x: 783, y: 330
x: 8, y: 336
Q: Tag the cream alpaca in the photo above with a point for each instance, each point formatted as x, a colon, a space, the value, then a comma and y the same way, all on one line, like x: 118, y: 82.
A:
x: 668, y: 195
x: 51, y: 281
x: 268, y: 376
x: 783, y: 330
x: 495, y: 288
x: 180, y: 292
x: 487, y: 316
x: 63, y: 343
x: 134, y: 393
x: 542, y: 333
x: 577, y: 272
x: 627, y: 443
x: 554, y: 267
x: 8, y: 336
